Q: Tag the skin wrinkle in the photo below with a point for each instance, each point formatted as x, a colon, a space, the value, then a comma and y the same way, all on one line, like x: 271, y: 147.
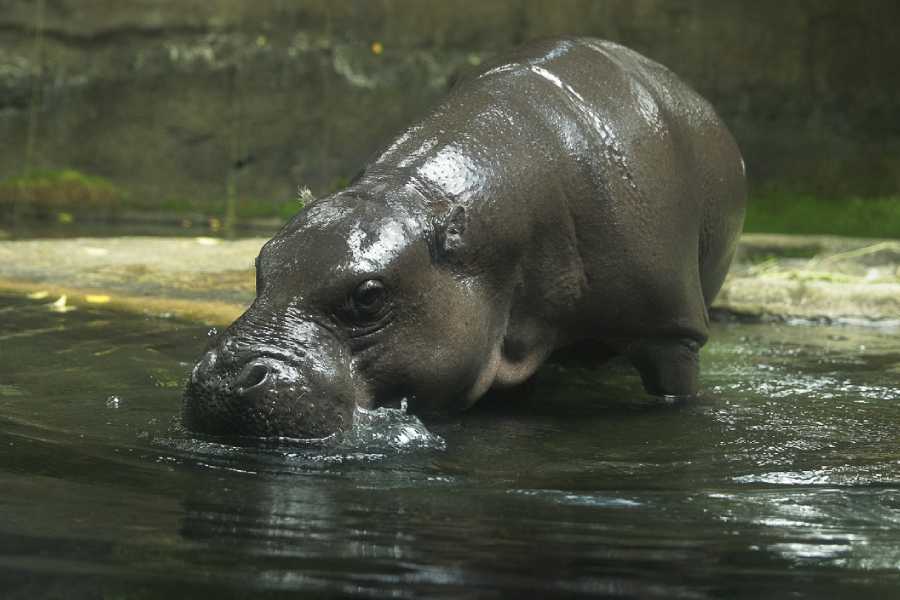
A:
x: 573, y: 192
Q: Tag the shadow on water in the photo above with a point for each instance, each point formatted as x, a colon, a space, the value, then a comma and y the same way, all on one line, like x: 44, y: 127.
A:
x: 782, y: 480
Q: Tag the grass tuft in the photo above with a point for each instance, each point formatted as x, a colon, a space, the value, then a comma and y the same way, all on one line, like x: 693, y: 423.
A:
x: 782, y: 212
x: 42, y: 194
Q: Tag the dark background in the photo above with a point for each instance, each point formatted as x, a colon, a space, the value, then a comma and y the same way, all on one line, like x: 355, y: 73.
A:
x: 165, y: 97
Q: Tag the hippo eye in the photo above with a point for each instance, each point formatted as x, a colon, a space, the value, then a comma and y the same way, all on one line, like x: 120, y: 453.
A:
x: 368, y: 300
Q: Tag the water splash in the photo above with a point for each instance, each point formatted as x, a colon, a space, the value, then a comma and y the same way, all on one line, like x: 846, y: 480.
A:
x: 375, y: 435
x: 391, y: 430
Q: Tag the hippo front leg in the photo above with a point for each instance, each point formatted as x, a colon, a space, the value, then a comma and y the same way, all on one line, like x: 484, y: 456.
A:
x: 668, y: 366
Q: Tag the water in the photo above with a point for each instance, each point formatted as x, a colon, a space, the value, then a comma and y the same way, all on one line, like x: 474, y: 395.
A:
x: 783, y: 480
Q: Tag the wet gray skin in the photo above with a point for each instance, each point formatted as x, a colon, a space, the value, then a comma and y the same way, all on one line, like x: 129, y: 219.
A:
x: 571, y: 194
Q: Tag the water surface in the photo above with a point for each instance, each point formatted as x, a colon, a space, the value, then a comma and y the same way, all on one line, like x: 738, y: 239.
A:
x: 783, y: 480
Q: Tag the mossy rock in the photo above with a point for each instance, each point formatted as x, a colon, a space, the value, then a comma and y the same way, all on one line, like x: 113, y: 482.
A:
x: 44, y: 194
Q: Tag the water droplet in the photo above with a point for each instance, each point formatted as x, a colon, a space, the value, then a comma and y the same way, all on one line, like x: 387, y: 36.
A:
x: 212, y: 332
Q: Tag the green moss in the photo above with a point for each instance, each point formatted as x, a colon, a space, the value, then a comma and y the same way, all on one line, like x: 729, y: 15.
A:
x: 776, y: 211
x: 247, y: 208
x: 45, y: 193
x: 70, y: 194
x: 261, y: 209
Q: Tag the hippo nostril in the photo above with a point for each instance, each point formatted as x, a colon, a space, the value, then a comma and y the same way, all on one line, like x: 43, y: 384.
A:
x: 252, y: 376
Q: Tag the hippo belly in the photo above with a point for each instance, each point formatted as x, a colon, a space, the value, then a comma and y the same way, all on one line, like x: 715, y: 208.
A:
x: 572, y: 192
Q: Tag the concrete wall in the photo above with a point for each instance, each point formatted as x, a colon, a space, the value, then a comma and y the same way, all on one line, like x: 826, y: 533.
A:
x: 163, y: 97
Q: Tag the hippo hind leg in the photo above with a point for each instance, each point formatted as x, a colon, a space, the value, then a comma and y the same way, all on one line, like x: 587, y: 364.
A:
x: 668, y: 366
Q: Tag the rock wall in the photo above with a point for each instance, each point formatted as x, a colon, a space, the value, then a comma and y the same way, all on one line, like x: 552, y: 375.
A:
x: 168, y: 98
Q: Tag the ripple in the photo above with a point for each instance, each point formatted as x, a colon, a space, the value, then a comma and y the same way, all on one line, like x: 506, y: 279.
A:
x: 578, y: 499
x: 374, y: 436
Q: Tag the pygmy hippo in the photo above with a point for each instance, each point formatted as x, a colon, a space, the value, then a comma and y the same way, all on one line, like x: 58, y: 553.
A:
x: 572, y: 193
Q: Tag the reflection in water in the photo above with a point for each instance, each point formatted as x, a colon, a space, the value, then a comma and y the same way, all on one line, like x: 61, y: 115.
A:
x: 849, y: 528
x: 783, y: 478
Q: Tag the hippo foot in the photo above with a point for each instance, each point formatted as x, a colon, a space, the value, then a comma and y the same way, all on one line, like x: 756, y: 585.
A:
x: 669, y: 367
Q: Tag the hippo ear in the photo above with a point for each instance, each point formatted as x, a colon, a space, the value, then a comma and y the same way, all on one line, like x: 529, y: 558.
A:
x: 448, y: 232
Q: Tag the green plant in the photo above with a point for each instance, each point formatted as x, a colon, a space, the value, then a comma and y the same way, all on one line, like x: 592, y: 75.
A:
x: 44, y: 193
x: 777, y: 211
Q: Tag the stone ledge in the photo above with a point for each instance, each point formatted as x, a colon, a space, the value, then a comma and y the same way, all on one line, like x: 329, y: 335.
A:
x: 211, y: 280
x: 814, y: 277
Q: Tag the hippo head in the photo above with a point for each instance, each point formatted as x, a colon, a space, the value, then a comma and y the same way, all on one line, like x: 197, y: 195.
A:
x: 359, y: 303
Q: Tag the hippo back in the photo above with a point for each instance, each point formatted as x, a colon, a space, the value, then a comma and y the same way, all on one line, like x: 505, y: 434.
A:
x: 609, y: 183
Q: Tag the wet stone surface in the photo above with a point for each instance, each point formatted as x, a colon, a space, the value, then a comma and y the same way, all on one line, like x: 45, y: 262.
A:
x: 815, y: 277
x: 191, y: 268
x: 782, y: 480
x: 782, y: 277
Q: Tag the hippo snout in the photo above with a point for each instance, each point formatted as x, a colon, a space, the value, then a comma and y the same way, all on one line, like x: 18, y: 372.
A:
x: 259, y: 395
